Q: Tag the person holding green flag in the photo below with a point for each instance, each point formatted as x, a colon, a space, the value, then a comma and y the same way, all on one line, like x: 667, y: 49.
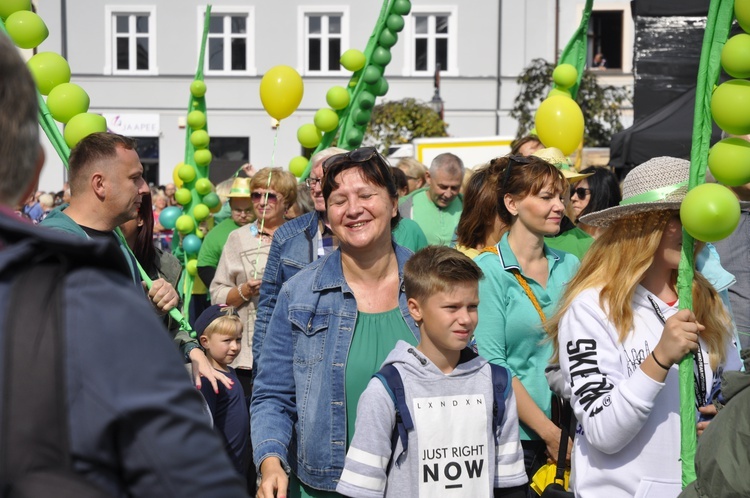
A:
x: 619, y: 334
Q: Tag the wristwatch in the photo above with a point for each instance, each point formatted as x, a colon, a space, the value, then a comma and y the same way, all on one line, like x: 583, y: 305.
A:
x: 189, y: 347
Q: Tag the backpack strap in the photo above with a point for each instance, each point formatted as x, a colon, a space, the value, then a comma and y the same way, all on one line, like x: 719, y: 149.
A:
x: 394, y: 385
x: 501, y: 389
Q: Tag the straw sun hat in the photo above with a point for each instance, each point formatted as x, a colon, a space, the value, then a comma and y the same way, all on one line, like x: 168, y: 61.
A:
x: 659, y: 184
x: 240, y: 187
x: 555, y: 157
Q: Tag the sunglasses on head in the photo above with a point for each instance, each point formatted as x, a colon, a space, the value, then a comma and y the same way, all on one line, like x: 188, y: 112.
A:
x: 356, y: 156
x: 257, y: 196
x: 512, y: 161
x: 580, y: 192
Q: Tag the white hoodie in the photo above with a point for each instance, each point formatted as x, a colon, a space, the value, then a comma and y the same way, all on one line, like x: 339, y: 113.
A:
x: 452, y: 451
x: 628, y: 437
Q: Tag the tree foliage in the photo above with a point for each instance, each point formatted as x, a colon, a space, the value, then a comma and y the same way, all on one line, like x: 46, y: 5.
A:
x: 398, y: 122
x: 600, y: 104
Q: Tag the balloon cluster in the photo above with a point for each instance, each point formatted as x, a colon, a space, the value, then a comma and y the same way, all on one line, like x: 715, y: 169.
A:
x: 195, y: 192
x: 711, y: 212
x: 67, y: 102
x: 559, y: 119
x: 350, y: 108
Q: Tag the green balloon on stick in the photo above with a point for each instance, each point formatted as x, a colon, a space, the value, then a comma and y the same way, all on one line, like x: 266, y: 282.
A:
x: 710, y: 212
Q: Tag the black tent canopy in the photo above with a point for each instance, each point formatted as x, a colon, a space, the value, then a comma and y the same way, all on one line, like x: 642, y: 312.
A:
x: 666, y: 132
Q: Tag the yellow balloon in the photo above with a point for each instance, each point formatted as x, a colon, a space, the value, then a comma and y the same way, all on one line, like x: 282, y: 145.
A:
x: 559, y: 123
x: 281, y: 91
x: 176, y: 177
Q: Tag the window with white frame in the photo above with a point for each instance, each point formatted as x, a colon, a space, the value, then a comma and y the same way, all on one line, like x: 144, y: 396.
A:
x: 325, y: 34
x: 432, y: 36
x: 230, y: 45
x: 131, y: 40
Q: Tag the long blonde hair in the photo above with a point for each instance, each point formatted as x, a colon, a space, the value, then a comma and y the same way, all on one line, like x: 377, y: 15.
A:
x: 616, y: 263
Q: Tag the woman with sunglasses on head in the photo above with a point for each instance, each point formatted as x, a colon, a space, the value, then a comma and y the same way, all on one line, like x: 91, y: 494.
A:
x: 243, y: 258
x: 619, y: 334
x: 333, y: 325
x: 600, y: 190
x: 523, y: 282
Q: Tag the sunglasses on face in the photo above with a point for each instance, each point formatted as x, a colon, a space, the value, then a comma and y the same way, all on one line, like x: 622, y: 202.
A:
x: 356, y: 156
x: 580, y: 192
x: 248, y: 211
x: 257, y: 196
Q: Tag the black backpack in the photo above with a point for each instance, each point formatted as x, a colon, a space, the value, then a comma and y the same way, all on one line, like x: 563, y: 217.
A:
x: 34, y: 441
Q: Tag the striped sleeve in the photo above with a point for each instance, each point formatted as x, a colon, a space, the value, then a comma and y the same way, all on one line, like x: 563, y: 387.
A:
x: 365, y: 469
x: 509, y: 466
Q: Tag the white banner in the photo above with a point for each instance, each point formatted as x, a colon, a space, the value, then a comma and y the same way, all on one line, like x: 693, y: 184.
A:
x: 452, y: 441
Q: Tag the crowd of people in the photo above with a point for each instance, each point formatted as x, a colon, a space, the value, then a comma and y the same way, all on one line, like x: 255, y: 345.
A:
x: 376, y: 330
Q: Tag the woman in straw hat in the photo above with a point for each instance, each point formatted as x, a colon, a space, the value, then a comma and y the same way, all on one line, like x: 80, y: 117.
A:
x: 619, y: 334
x: 523, y: 282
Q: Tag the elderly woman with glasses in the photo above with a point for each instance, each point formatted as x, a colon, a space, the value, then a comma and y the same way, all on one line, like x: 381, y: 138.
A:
x: 243, y: 259
x: 333, y: 325
x: 523, y: 282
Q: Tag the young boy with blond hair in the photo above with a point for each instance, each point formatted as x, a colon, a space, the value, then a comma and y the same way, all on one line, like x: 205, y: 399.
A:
x: 437, y: 420
x: 220, y: 333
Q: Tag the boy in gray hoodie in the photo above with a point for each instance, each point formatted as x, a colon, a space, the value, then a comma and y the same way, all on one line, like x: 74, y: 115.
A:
x: 454, y: 448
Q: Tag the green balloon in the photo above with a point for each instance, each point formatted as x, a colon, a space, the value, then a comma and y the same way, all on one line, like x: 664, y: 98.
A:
x: 298, y: 165
x: 183, y: 196
x: 388, y: 38
x: 49, y: 70
x: 26, y: 29
x: 742, y: 13
x: 196, y: 119
x: 395, y: 23
x: 186, y: 173
x: 381, y: 56
x: 83, y: 125
x: 402, y: 7
x: 202, y: 157
x: 730, y: 107
x: 67, y: 100
x: 366, y: 100
x: 8, y: 7
x: 729, y: 161
x: 565, y: 76
x: 380, y: 88
x: 200, y: 139
x: 354, y: 138
x: 201, y: 212
x: 198, y: 88
x: 710, y: 212
x: 309, y: 136
x: 559, y: 91
x: 361, y: 116
x: 353, y: 60
x: 211, y: 200
x: 203, y: 186
x: 326, y: 120
x: 735, y: 56
x: 338, y: 97
x: 185, y: 224
x: 372, y: 74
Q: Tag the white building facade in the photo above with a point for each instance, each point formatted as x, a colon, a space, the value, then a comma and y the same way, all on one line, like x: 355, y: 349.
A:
x: 137, y: 58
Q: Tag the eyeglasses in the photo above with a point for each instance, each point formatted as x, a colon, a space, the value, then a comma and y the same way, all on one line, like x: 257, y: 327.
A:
x: 356, y: 156
x: 580, y: 192
x: 248, y: 211
x: 257, y: 196
x: 513, y: 160
x: 311, y: 182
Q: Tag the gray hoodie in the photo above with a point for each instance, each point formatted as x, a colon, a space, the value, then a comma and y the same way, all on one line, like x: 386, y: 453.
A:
x: 452, y: 451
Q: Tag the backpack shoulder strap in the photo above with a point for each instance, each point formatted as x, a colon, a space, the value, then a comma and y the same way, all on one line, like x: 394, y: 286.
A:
x: 394, y: 385
x: 501, y: 389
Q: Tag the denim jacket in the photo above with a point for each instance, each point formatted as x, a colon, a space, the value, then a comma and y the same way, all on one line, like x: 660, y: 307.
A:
x: 298, y: 404
x: 292, y: 249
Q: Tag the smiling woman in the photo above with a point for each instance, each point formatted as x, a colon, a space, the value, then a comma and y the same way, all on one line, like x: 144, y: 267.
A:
x: 334, y: 324
x: 523, y: 282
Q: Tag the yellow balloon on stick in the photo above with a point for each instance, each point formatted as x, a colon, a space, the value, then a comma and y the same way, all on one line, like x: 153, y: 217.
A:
x: 281, y: 91
x: 559, y: 123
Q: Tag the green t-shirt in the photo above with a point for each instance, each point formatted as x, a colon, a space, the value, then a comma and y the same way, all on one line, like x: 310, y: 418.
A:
x: 214, y: 241
x: 575, y: 241
x: 437, y: 224
x: 408, y: 234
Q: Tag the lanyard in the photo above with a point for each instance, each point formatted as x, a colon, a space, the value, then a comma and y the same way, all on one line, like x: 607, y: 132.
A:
x: 700, y: 371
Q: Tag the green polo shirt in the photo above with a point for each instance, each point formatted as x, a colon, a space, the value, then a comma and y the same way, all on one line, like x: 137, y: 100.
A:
x: 510, y: 332
x: 437, y: 224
